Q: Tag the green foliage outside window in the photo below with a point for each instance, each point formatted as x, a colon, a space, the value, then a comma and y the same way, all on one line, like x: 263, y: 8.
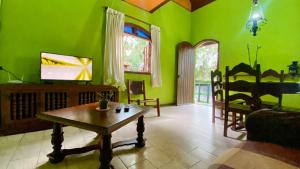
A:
x: 206, y: 60
x: 135, y: 51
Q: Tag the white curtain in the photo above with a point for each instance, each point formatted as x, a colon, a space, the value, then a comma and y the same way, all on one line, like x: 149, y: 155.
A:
x: 155, y: 57
x: 113, y: 53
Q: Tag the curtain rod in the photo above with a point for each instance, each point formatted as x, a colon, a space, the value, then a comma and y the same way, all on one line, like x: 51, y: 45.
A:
x: 133, y: 18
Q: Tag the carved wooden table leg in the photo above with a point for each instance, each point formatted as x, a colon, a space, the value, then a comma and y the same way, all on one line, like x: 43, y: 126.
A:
x: 57, y: 138
x: 140, y: 132
x: 106, y: 152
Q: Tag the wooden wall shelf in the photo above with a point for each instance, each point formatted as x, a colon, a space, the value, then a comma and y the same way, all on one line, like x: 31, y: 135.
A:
x: 19, y: 103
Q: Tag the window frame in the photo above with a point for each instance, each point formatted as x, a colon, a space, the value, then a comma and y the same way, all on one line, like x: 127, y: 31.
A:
x: 135, y: 28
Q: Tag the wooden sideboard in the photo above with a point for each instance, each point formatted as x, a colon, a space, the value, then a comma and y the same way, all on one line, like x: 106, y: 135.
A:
x: 19, y: 103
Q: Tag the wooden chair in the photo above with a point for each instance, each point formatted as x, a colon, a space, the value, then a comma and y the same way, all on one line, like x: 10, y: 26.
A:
x: 136, y: 88
x: 280, y: 77
x: 240, y: 90
x: 217, y: 94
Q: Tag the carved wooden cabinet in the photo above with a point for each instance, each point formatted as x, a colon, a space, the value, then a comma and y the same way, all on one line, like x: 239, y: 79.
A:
x: 19, y: 103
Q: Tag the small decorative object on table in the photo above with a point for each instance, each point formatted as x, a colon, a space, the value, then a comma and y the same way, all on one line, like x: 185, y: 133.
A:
x: 126, y: 109
x: 104, y: 98
x: 118, y: 109
x: 293, y: 68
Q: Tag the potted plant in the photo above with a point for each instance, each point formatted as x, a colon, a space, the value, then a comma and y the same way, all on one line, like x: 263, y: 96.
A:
x: 104, y: 98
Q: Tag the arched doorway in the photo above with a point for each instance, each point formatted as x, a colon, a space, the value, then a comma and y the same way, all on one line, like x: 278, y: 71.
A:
x: 206, y: 60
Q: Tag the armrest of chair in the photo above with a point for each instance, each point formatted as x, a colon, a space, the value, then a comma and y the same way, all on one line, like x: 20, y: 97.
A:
x: 276, y: 127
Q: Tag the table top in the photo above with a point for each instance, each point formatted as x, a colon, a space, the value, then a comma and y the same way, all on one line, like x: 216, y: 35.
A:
x: 284, y: 87
x: 87, y: 117
x: 276, y: 87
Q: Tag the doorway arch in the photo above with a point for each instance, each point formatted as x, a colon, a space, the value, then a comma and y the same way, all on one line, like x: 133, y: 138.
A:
x: 206, y: 60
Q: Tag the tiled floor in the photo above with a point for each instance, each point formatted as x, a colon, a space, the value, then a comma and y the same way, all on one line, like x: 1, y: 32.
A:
x: 183, y: 137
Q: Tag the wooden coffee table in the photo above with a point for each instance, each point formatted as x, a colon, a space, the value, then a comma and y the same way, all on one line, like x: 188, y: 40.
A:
x: 102, y: 122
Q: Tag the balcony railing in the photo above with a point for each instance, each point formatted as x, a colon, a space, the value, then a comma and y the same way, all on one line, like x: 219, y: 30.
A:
x: 202, y: 92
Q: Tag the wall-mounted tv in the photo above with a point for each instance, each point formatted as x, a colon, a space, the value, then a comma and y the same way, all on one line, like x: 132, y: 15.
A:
x: 63, y: 67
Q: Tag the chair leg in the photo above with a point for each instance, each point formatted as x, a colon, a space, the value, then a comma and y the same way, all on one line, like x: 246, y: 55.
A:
x: 138, y: 102
x: 158, y: 107
x: 242, y: 120
x: 222, y: 112
x: 225, y: 123
x: 213, y: 113
x: 233, y: 121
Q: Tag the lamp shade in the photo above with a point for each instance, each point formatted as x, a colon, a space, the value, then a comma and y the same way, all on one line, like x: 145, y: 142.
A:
x: 256, y: 18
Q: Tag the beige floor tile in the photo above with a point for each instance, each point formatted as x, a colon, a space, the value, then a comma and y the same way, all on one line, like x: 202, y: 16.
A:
x: 73, y: 141
x: 69, y: 130
x: 170, y: 149
x: 7, y: 151
x: 9, y: 143
x: 32, y: 137
x: 46, y: 147
x: 11, y: 139
x: 88, y: 135
x: 117, y: 163
x: 4, y: 160
x: 27, y: 151
x: 174, y: 164
x: 25, y: 163
x: 47, y: 134
x: 86, y: 161
x: 142, y: 165
x: 43, y: 159
x: 203, y: 155
x: 157, y: 157
x: 186, y: 160
x: 201, y: 165
x: 48, y: 165
x: 130, y: 155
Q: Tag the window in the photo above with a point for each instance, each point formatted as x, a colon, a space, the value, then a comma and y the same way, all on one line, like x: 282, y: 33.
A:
x: 136, y: 49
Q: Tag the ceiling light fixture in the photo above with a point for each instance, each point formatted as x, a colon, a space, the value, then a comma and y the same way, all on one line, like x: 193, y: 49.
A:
x: 256, y: 18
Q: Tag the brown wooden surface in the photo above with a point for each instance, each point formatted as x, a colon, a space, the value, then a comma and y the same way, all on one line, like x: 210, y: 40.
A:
x: 87, y: 117
x: 260, y: 88
x: 279, y: 88
x: 243, y: 90
x: 185, y: 73
x: 103, y: 122
x: 138, y: 88
x: 272, y: 73
x: 147, y: 5
x: 217, y: 94
x: 21, y: 102
x: 266, y: 75
x: 184, y: 3
x: 196, y: 4
x: 153, y: 5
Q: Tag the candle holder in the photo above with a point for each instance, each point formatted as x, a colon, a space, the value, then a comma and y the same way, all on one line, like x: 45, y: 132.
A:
x: 293, y: 68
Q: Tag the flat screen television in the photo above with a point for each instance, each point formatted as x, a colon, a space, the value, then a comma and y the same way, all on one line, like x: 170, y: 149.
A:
x: 63, y: 67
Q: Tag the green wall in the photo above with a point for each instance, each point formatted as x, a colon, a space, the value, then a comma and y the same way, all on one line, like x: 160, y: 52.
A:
x: 77, y: 27
x: 225, y: 20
